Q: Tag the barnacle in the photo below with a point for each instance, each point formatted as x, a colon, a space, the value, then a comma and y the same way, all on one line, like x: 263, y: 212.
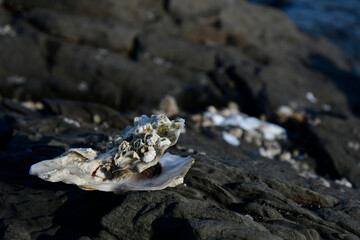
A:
x: 134, y: 160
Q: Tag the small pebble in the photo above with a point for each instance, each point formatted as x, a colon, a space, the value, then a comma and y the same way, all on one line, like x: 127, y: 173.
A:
x: 168, y: 105
x: 196, y: 118
x: 7, y: 30
x: 33, y: 105
x: 82, y: 86
x: 150, y: 15
x: 284, y: 113
x: 325, y: 182
x: 16, y: 79
x: 326, y: 107
x: 237, y: 132
x: 96, y: 118
x: 353, y: 145
x: 311, y: 97
x: 285, y: 156
x: 190, y: 150
x: 71, y: 122
x: 179, y: 147
x: 315, y: 122
x: 343, y: 181
x: 230, y: 139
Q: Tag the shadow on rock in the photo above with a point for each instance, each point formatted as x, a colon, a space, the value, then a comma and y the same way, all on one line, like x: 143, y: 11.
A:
x: 347, y: 82
x: 82, y: 212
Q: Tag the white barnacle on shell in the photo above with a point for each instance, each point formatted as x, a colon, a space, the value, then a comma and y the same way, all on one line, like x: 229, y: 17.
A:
x: 133, y: 161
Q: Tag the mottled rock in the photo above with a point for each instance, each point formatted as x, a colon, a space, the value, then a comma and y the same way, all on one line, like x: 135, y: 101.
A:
x: 185, y: 10
x: 178, y: 51
x: 87, y: 112
x: 5, y: 16
x: 344, y: 159
x: 128, y: 11
x: 229, y: 193
x: 130, y: 54
x: 100, y: 33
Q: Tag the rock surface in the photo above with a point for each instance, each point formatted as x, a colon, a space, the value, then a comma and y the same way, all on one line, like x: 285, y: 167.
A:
x: 336, y: 20
x: 94, y: 67
x: 230, y: 192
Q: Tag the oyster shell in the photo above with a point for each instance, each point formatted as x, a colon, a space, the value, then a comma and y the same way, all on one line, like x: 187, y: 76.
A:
x: 133, y: 161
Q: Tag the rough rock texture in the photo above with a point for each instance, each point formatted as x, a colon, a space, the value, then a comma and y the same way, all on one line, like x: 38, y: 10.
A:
x: 131, y: 54
x: 116, y: 56
x: 230, y: 192
x: 211, y: 47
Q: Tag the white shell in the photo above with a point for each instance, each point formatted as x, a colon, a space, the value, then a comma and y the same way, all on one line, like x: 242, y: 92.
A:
x: 269, y: 131
x: 174, y: 169
x: 128, y: 164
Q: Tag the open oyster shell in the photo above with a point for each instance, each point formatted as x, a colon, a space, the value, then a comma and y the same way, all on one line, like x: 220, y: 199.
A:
x: 133, y: 160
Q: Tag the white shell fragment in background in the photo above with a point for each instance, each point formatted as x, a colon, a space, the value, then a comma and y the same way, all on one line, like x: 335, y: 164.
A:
x: 272, y: 132
x: 230, y: 139
x: 343, y: 181
x: 268, y: 130
x: 133, y: 160
x: 311, y: 97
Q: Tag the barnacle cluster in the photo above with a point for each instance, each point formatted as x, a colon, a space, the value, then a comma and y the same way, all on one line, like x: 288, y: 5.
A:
x: 139, y: 149
x: 141, y: 146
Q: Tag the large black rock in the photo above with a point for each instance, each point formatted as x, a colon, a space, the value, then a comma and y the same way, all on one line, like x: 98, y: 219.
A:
x: 230, y: 192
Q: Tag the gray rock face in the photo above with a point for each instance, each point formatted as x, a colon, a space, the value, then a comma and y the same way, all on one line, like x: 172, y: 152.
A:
x: 180, y: 40
x: 127, y: 56
x: 79, y: 29
x: 180, y: 52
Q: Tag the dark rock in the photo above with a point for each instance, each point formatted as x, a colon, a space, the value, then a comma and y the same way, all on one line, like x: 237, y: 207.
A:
x: 88, y: 112
x: 129, y: 55
x: 185, y: 10
x: 22, y: 61
x: 142, y: 11
x: 229, y: 193
x: 122, y: 82
x: 178, y: 51
x: 99, y: 33
x: 340, y: 154
x: 242, y: 67
x: 322, y: 18
x: 5, y: 16
x: 171, y: 214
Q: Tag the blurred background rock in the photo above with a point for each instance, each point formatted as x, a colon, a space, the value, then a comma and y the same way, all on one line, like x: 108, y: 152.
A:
x: 335, y: 20
x: 130, y: 54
